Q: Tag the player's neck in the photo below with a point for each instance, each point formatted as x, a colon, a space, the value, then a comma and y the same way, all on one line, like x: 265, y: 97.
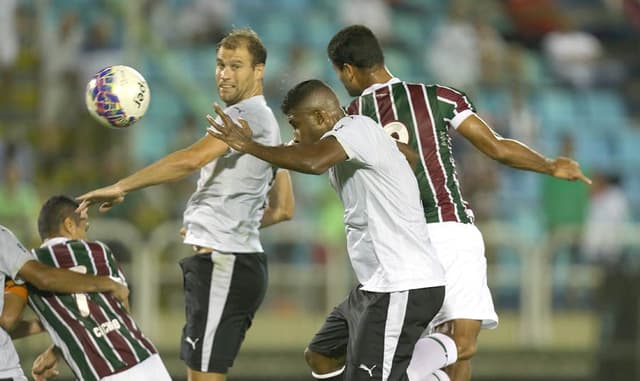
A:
x: 379, y: 75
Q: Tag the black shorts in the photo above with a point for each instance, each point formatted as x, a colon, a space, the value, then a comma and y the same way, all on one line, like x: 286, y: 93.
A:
x: 377, y: 331
x: 222, y: 294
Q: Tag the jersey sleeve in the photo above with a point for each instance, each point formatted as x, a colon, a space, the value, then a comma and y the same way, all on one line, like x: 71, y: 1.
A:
x: 20, y: 290
x: 116, y: 269
x: 454, y: 105
x: 13, y: 255
x: 352, y: 134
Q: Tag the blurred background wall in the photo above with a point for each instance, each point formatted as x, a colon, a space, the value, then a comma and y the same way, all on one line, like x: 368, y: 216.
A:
x: 562, y: 76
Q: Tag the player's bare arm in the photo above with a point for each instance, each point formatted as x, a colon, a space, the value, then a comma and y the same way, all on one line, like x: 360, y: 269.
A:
x: 280, y: 202
x: 172, y: 167
x: 516, y: 154
x: 11, y: 318
x: 11, y: 311
x: 313, y: 158
x: 61, y: 280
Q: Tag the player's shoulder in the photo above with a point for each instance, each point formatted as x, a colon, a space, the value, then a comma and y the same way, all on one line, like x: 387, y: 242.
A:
x: 254, y: 105
x: 354, y: 121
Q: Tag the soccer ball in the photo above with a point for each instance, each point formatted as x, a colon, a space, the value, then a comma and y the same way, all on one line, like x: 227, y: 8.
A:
x: 117, y: 96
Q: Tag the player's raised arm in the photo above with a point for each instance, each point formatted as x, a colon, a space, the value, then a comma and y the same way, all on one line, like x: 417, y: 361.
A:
x: 312, y: 157
x: 516, y: 154
x: 172, y: 167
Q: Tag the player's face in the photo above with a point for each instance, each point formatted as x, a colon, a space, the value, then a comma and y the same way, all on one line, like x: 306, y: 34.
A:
x: 306, y: 128
x: 236, y: 77
x: 81, y: 228
x: 348, y: 79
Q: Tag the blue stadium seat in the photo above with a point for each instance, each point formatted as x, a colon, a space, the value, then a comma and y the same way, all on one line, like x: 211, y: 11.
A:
x: 555, y: 110
x: 628, y: 147
x: 319, y: 27
x: 596, y: 149
x: 408, y: 29
x: 601, y: 109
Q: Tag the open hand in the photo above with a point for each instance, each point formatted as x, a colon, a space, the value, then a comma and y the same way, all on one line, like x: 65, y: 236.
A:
x: 45, y: 366
x: 568, y: 169
x: 107, y: 197
x: 237, y: 136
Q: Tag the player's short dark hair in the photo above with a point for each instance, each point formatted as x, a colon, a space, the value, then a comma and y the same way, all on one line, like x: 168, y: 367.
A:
x: 53, y: 213
x: 299, y: 93
x: 245, y: 37
x: 355, y: 45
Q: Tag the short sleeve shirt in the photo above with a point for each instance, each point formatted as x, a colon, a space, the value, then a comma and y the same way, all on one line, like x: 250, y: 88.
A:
x: 387, y: 237
x: 13, y: 256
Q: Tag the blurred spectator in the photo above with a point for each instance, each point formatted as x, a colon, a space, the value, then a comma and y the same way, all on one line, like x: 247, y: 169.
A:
x: 453, y: 55
x: 61, y: 89
x: 204, y: 21
x: 608, y: 212
x: 19, y: 202
x: 376, y: 14
x: 531, y: 20
x: 573, y: 55
x: 9, y: 43
x: 102, y: 47
x: 522, y: 123
x: 493, y: 52
x: 481, y: 179
x: 565, y: 203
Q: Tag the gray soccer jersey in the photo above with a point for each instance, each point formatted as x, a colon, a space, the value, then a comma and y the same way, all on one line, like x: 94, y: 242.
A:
x: 12, y: 257
x: 224, y: 212
x: 387, y: 237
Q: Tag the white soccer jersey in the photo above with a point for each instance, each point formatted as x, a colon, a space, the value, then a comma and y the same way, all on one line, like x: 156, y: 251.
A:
x: 225, y: 211
x: 12, y: 257
x: 387, y: 237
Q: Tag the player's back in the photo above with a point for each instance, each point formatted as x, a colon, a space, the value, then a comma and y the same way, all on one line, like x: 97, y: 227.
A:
x: 96, y: 334
x: 421, y: 115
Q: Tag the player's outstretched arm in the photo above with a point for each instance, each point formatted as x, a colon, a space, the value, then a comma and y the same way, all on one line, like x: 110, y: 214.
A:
x: 62, y: 280
x: 516, y: 154
x: 172, y: 167
x: 281, y: 203
x: 313, y: 158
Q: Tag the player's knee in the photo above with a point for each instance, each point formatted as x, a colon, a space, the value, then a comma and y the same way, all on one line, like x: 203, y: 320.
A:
x: 319, y: 363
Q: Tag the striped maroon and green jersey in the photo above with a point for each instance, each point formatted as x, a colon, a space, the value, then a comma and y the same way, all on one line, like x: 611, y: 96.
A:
x: 95, y: 333
x: 424, y: 112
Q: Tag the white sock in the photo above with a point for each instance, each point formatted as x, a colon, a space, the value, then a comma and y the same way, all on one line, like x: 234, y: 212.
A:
x: 430, y: 354
x: 438, y: 375
x: 327, y: 376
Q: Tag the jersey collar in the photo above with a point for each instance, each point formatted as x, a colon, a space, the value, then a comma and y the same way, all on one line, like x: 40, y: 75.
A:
x: 54, y: 241
x: 376, y: 86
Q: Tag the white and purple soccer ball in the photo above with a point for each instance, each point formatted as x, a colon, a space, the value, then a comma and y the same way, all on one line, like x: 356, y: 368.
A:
x: 117, y: 96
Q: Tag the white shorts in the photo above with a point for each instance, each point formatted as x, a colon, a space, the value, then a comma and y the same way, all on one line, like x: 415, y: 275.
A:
x: 151, y: 369
x: 460, y: 248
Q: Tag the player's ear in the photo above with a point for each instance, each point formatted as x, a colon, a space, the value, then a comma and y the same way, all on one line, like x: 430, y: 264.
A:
x: 258, y: 69
x: 68, y: 224
x: 348, y: 70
